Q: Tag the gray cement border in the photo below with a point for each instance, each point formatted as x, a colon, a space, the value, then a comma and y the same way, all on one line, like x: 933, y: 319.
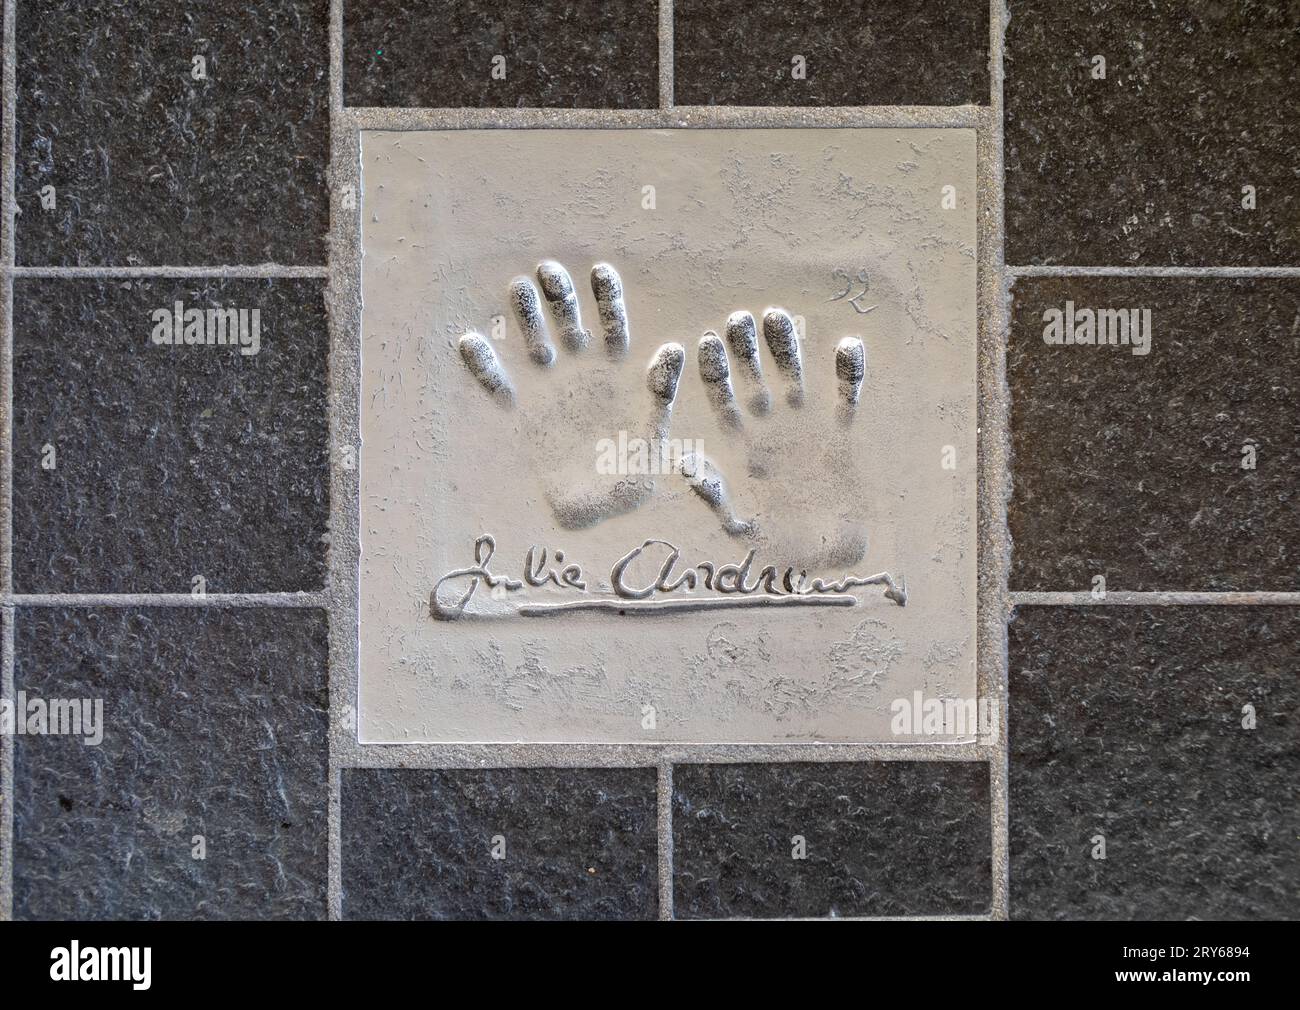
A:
x: 995, y: 453
x: 8, y: 91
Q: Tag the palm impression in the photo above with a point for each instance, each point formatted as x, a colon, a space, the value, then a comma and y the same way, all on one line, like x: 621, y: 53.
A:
x: 590, y: 397
x: 794, y: 494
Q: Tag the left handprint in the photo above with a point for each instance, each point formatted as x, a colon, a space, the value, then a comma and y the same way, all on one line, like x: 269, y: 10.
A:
x: 594, y: 399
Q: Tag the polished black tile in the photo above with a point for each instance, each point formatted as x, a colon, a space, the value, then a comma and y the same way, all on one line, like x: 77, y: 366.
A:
x: 152, y: 164
x: 502, y: 54
x: 1129, y: 730
x: 141, y: 467
x: 1173, y: 469
x: 1150, y: 164
x: 887, y: 838
x: 513, y: 843
x: 769, y: 52
x: 206, y: 797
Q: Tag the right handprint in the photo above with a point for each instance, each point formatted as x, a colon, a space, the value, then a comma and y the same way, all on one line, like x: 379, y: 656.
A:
x: 797, y: 492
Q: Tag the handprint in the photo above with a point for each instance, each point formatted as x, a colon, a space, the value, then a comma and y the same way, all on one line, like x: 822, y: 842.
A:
x: 589, y: 400
x: 798, y: 494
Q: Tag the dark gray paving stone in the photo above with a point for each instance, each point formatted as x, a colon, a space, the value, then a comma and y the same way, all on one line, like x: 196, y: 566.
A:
x: 588, y: 54
x: 154, y: 167
x: 4, y: 46
x: 885, y: 838
x: 170, y: 462
x: 215, y: 723
x: 899, y: 52
x: 1130, y: 466
x: 579, y: 843
x: 1147, y: 166
x: 1127, y: 722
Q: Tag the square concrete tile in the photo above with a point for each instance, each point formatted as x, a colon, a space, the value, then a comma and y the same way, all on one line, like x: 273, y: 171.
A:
x: 586, y: 54
x: 769, y: 52
x: 187, y: 133
x: 1183, y: 153
x: 729, y: 557
x: 1160, y: 464
x: 1155, y: 756
x: 206, y: 795
x: 830, y: 840
x: 141, y: 466
x: 509, y: 843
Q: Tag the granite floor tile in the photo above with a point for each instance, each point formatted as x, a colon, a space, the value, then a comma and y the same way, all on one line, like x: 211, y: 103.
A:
x: 147, y: 467
x: 179, y: 133
x: 515, y: 843
x: 1170, y: 469
x: 881, y: 839
x: 206, y: 796
x: 4, y: 218
x: 502, y: 54
x: 771, y: 52
x: 1168, y: 735
x: 1182, y: 154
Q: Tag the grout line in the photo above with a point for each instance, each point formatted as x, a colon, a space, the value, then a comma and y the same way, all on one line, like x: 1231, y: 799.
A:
x: 334, y: 826
x: 8, y: 743
x: 336, y: 63
x: 664, y: 850
x: 8, y: 202
x: 8, y: 156
x: 618, y: 755
x: 6, y: 435
x: 996, y: 458
x: 340, y: 703
x: 719, y: 117
x: 667, y: 54
x: 165, y: 600
x: 262, y: 270
x: 1158, y: 598
x: 1152, y: 271
x: 8, y: 146
x: 861, y: 918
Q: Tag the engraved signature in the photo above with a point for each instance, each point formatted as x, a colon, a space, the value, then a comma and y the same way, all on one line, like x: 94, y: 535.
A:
x: 731, y: 585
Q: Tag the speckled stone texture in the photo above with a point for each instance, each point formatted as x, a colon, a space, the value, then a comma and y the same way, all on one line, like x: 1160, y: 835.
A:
x: 154, y: 167
x: 4, y: 47
x: 215, y: 724
x: 888, y: 838
x: 170, y: 461
x: 1127, y: 722
x: 883, y: 52
x: 578, y: 843
x: 1147, y: 166
x: 439, y: 53
x: 1130, y: 466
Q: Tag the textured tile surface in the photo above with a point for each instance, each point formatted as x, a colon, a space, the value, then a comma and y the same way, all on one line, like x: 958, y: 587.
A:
x: 889, y: 838
x: 215, y: 724
x: 449, y: 218
x: 577, y: 844
x: 884, y: 52
x: 443, y: 54
x: 152, y: 166
x: 1130, y: 466
x: 1127, y: 722
x: 170, y: 461
x: 1147, y: 165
